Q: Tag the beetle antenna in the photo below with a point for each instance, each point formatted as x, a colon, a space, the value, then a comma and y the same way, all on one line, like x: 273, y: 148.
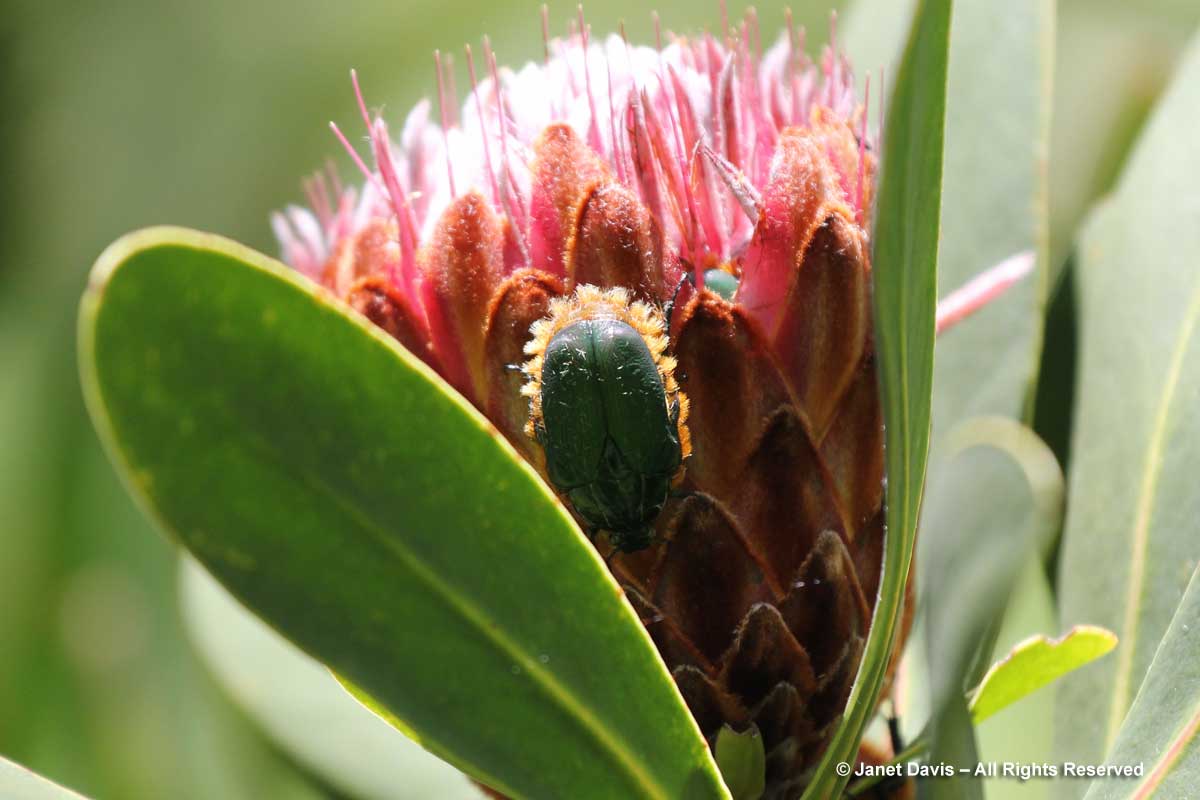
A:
x: 669, y: 306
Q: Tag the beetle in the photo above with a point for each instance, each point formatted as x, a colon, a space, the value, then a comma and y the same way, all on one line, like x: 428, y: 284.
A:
x: 607, y: 413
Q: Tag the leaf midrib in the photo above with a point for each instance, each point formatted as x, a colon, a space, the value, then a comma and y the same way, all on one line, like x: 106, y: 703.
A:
x: 1178, y: 743
x: 1147, y: 494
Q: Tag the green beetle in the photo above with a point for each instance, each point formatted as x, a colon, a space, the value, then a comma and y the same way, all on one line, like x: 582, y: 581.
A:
x: 607, y: 412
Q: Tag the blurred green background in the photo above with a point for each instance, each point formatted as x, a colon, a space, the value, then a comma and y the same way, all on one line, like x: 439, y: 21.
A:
x: 125, y: 114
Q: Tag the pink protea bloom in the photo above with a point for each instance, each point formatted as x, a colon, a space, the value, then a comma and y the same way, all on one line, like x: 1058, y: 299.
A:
x: 633, y: 168
x: 677, y: 151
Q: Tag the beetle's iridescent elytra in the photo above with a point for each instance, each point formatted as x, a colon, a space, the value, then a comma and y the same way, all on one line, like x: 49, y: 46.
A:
x: 606, y: 409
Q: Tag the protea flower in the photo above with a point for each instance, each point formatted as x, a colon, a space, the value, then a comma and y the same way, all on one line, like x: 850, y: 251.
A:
x: 732, y: 186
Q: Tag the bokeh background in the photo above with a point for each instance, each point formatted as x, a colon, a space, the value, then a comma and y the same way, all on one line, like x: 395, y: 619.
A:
x: 127, y: 113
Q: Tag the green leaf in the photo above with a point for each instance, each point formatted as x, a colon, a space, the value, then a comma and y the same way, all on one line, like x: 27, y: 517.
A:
x: 905, y: 276
x: 743, y: 763
x: 1023, y: 732
x: 972, y: 554
x: 994, y: 190
x: 303, y: 708
x: 18, y: 783
x: 975, y: 552
x: 1130, y: 541
x: 1162, y: 731
x: 339, y: 489
x: 960, y: 751
x: 991, y: 499
x: 994, y: 206
x: 1035, y: 662
x: 1115, y: 60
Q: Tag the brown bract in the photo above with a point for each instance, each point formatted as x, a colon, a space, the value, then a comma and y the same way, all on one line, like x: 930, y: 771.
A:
x: 521, y: 300
x: 565, y: 171
x: 616, y: 243
x: 758, y: 593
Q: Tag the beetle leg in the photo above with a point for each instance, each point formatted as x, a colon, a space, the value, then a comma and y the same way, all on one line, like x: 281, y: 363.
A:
x: 891, y: 784
x: 893, y: 724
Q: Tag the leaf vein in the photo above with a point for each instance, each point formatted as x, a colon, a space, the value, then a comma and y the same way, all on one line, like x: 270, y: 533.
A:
x: 1141, y: 527
x: 1178, y: 743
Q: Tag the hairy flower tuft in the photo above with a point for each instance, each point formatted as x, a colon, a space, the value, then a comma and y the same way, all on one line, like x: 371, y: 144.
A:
x: 684, y: 143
